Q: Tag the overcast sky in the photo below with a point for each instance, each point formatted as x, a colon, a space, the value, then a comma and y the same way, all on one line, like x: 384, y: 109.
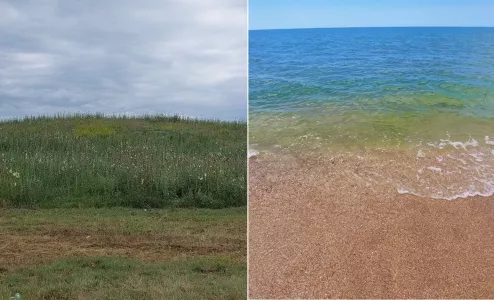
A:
x: 124, y: 56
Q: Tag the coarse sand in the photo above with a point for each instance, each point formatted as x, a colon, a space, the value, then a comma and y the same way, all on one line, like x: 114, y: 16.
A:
x: 325, y: 227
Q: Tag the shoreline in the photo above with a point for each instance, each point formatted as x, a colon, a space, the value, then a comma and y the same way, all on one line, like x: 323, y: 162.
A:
x: 454, y: 172
x: 317, y: 231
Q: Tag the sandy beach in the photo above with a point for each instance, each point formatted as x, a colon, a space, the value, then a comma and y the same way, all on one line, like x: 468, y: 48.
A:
x: 333, y: 227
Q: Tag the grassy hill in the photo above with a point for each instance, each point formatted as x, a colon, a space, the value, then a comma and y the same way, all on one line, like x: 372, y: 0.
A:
x: 142, y: 162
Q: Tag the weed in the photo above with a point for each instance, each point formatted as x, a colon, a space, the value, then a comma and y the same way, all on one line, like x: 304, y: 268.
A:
x: 97, y: 161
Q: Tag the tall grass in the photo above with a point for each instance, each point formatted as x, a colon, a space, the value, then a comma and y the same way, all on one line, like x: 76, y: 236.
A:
x: 98, y: 161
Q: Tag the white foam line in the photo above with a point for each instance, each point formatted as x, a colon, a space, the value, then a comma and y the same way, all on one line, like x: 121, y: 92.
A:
x: 252, y: 153
x: 470, y: 193
x: 434, y: 169
x: 487, y: 141
x: 463, y: 195
x: 443, y: 143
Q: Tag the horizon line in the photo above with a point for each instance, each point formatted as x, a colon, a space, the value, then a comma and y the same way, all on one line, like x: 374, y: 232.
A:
x: 360, y: 27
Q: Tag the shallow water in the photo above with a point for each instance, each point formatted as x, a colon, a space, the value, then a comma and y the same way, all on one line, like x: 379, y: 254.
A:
x: 417, y: 90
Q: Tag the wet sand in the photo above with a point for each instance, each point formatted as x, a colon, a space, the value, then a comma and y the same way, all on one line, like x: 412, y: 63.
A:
x: 319, y: 228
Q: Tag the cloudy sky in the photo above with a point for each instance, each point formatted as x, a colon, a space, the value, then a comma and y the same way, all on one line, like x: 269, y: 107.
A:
x: 124, y: 56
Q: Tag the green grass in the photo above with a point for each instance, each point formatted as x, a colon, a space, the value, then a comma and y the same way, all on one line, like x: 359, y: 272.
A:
x: 118, y: 278
x: 123, y: 253
x: 141, y: 162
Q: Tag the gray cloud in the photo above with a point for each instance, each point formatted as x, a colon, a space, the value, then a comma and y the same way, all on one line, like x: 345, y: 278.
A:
x: 125, y: 56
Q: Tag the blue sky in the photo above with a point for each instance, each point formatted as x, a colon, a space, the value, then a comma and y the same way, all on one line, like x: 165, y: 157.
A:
x: 124, y: 56
x: 274, y: 14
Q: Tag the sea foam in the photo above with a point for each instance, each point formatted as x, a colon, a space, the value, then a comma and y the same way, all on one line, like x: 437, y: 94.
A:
x: 252, y: 153
x: 466, y: 170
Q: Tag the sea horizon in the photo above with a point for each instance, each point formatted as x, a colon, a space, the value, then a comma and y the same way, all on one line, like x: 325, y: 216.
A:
x: 366, y: 27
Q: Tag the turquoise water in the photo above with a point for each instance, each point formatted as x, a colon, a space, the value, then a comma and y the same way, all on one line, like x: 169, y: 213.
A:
x: 413, y: 107
x: 370, y: 87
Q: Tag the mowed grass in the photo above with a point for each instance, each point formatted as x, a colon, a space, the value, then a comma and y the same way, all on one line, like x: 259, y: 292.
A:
x: 123, y: 253
x: 122, y: 279
x: 141, y: 162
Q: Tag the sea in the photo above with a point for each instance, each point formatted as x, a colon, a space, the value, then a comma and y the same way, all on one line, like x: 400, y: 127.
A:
x: 421, y: 97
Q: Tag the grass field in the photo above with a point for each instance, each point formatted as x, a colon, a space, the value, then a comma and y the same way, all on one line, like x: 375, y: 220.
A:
x: 95, y: 207
x: 147, y: 162
x: 123, y: 253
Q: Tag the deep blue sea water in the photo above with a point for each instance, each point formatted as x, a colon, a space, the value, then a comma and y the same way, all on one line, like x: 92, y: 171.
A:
x: 428, y: 91
x: 390, y: 85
